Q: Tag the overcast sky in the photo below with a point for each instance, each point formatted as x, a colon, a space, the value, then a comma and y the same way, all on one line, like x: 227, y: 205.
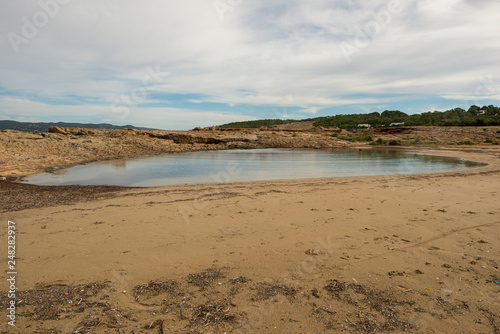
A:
x: 181, y: 64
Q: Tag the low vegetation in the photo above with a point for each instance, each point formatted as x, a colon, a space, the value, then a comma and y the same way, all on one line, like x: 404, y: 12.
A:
x: 361, y: 136
x: 474, y: 116
x: 256, y: 124
x: 44, y: 127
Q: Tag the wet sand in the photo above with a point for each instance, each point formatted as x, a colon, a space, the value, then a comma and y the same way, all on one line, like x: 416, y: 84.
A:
x: 413, y: 253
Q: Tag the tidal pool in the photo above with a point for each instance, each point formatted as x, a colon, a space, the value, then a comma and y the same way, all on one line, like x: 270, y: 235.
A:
x: 249, y: 165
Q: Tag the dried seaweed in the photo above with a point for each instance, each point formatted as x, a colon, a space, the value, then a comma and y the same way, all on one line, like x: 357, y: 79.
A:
x: 336, y: 286
x: 50, y: 302
x: 206, y: 277
x: 240, y: 280
x: 382, y: 302
x: 214, y: 313
x: 266, y: 291
x: 155, y: 288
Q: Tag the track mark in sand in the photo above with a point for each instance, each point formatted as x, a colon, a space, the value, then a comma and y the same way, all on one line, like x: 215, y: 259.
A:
x: 441, y: 236
x: 444, y: 235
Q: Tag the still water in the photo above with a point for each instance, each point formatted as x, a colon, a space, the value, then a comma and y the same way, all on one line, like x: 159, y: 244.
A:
x: 249, y: 165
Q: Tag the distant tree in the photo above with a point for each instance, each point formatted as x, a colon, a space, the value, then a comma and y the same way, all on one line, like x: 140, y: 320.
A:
x: 475, y: 115
x: 394, y: 115
x: 491, y: 110
x: 474, y: 110
x: 256, y: 124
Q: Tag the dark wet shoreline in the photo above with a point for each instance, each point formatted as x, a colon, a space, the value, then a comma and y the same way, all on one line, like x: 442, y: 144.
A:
x: 18, y: 196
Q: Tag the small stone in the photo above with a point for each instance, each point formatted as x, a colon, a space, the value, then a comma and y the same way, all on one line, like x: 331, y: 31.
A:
x: 312, y: 252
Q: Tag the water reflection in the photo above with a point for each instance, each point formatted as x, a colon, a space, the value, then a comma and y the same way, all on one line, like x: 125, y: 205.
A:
x: 118, y: 163
x: 250, y: 165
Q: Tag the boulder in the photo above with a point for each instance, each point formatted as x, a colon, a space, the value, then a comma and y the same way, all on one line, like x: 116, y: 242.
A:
x: 82, y: 132
x: 56, y: 129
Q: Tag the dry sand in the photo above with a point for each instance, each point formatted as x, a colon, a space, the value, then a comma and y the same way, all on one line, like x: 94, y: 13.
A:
x: 416, y: 253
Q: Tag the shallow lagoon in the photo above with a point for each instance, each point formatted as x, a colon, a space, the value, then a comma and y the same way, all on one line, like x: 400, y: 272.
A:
x: 250, y: 165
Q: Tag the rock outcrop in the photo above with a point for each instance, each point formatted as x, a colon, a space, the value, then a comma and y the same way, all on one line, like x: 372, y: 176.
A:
x: 56, y: 129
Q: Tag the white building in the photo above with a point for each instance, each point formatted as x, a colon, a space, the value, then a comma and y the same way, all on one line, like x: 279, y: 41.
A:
x: 367, y: 126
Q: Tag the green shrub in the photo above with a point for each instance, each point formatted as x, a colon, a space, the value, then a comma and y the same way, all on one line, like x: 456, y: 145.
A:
x: 363, y: 136
x: 379, y: 141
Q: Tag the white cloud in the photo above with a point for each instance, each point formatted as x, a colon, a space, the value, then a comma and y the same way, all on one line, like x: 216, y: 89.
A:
x: 309, y: 110
x: 261, y: 54
x: 472, y: 98
x: 433, y: 108
x: 163, y: 118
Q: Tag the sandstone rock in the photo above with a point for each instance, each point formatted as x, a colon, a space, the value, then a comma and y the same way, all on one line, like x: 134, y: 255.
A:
x: 187, y: 139
x: 82, y: 132
x: 229, y: 140
x: 56, y: 129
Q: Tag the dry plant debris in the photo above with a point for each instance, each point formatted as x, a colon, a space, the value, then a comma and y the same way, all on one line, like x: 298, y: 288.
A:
x: 214, y: 312
x: 376, y: 311
x: 155, y: 288
x: 181, y: 307
x: 206, y: 277
x: 55, y: 301
x: 266, y: 291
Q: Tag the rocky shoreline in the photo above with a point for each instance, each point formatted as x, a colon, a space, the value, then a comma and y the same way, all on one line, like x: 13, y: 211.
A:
x: 25, y: 153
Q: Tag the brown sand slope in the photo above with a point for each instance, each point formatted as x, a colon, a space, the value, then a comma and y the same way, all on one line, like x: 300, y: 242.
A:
x: 416, y: 254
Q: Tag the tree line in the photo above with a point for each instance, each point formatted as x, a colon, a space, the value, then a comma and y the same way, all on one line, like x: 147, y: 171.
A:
x: 256, y: 124
x: 474, y: 116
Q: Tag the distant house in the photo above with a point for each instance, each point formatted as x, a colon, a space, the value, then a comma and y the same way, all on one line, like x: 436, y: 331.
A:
x: 397, y: 124
x: 366, y: 126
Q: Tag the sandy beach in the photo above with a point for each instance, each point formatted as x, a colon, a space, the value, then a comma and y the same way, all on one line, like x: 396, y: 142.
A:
x: 249, y: 167
x: 414, y: 253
